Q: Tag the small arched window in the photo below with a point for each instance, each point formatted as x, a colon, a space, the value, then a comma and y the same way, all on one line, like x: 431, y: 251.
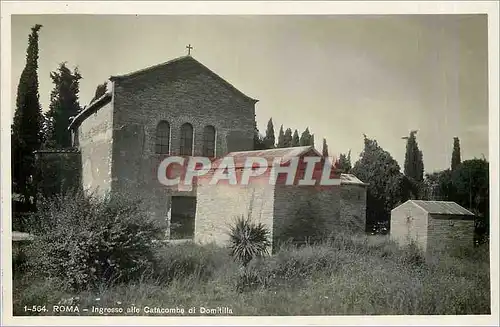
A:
x: 209, y: 141
x: 186, y: 140
x: 162, y: 143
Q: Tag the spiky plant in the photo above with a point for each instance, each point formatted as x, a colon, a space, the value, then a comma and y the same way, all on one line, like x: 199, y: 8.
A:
x: 248, y: 240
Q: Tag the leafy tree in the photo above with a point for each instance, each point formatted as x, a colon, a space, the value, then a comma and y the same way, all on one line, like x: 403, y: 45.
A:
x: 99, y: 91
x: 387, y: 186
x: 311, y: 140
x: 344, y: 162
x: 455, y: 156
x: 287, y: 142
x: 440, y: 186
x: 295, y: 139
x: 27, y: 126
x: 305, y: 138
x: 414, y: 166
x: 63, y: 105
x: 269, y: 140
x: 281, y: 138
x: 325, y: 148
x: 471, y: 182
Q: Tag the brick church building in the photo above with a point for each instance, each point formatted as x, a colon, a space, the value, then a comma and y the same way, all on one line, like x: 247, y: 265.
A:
x: 179, y: 107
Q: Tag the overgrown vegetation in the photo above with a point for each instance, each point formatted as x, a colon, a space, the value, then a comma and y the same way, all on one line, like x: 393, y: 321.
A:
x: 340, y: 276
x: 82, y: 240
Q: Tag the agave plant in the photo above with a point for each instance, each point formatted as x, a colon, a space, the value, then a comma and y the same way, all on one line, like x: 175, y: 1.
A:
x: 248, y: 240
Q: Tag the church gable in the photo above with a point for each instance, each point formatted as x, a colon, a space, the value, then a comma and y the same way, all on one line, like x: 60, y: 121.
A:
x: 175, y: 70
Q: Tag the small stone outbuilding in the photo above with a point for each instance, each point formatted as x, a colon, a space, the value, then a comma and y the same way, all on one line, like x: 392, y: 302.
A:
x: 433, y: 225
x: 294, y: 211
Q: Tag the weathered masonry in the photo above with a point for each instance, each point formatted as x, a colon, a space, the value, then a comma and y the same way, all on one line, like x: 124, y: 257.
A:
x: 433, y: 225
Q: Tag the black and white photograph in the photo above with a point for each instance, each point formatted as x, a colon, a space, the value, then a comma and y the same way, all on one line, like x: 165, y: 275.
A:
x: 226, y: 164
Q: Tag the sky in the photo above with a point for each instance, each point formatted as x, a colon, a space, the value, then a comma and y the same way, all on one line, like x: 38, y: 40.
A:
x: 341, y: 76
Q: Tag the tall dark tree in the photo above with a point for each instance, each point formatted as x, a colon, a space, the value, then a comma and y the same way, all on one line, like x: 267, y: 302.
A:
x: 471, y: 182
x: 440, y: 186
x: 325, y: 148
x: 281, y: 138
x: 387, y: 186
x: 269, y: 139
x: 305, y: 138
x: 414, y: 165
x: 27, y: 126
x: 258, y: 142
x: 455, y: 156
x: 344, y: 162
x: 63, y: 105
x: 295, y: 138
x: 288, y: 138
x: 311, y: 140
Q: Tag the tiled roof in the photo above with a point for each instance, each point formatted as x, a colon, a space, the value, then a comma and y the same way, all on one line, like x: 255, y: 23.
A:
x: 442, y: 208
x: 284, y: 154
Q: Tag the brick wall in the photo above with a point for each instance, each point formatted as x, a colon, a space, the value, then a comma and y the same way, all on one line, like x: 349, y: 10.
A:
x: 95, y: 136
x: 303, y: 211
x: 409, y: 222
x: 353, y: 207
x: 178, y: 95
x: 217, y: 206
x: 445, y: 233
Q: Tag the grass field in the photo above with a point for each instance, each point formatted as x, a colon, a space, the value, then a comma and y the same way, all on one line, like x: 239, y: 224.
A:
x: 348, y: 276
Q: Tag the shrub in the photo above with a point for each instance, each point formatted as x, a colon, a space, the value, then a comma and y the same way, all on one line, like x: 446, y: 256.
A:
x: 248, y: 240
x: 187, y: 261
x: 251, y: 279
x: 84, y: 240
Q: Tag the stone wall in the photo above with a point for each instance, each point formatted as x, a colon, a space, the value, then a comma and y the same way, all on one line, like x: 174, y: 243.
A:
x: 95, y: 140
x: 176, y: 94
x: 409, y: 222
x: 353, y: 207
x: 446, y: 233
x: 302, y: 212
x: 218, y: 206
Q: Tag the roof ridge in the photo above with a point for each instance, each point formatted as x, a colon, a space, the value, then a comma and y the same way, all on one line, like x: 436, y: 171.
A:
x: 178, y: 59
x: 150, y: 67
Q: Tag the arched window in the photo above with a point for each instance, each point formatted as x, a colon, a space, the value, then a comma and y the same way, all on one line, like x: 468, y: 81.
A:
x: 162, y: 143
x: 186, y: 140
x: 209, y: 141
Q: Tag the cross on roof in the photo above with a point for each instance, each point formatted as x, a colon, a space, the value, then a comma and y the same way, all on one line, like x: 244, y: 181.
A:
x: 189, y: 47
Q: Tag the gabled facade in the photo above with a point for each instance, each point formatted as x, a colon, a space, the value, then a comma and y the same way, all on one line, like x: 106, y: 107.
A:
x: 432, y: 225
x: 176, y: 108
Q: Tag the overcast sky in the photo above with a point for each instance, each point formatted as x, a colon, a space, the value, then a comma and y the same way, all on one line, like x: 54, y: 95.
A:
x: 341, y: 76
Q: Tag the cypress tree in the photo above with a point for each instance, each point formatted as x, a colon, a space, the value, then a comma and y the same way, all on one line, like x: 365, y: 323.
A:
x: 305, y: 138
x: 455, y: 156
x: 281, y: 138
x: 27, y: 125
x: 288, y: 138
x: 295, y: 139
x: 269, y: 139
x: 413, y: 166
x: 325, y: 148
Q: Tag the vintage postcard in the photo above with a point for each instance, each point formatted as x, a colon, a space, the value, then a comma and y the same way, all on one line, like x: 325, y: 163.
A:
x: 254, y: 163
